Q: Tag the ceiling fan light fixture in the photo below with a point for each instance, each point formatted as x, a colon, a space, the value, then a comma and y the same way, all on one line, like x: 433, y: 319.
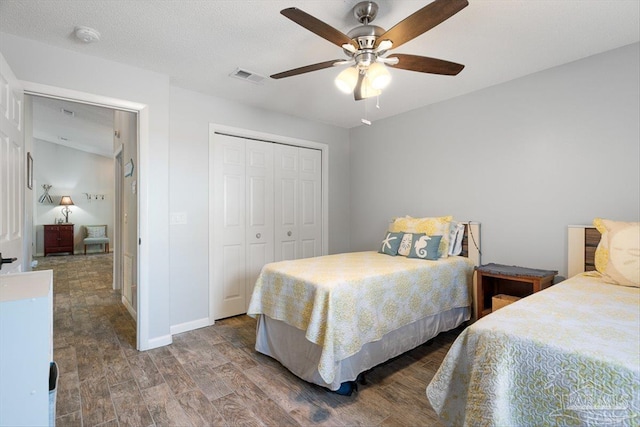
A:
x: 347, y: 79
x: 368, y: 91
x: 378, y: 76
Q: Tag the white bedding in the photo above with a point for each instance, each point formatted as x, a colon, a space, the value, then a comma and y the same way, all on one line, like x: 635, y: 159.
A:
x: 342, y: 302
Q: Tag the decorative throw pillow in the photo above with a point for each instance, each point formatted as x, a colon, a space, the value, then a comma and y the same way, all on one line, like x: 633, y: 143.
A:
x: 95, y: 231
x: 405, y: 244
x: 425, y: 247
x: 431, y: 226
x: 456, y: 236
x: 391, y: 243
x: 618, y: 253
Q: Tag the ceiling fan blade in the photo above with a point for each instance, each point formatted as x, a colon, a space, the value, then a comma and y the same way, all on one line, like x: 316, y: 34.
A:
x: 424, y: 64
x: 316, y: 26
x: 307, y: 69
x: 422, y: 21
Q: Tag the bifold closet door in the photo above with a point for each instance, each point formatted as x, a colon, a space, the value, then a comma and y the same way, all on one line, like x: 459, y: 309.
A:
x: 243, y: 191
x: 259, y: 211
x: 267, y: 206
x: 228, y: 272
x: 298, y: 202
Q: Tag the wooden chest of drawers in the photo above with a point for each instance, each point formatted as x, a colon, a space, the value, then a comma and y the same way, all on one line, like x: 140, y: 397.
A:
x: 58, y: 238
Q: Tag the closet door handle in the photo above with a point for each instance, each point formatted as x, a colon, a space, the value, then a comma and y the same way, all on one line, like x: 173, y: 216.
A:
x: 289, y: 233
x: 258, y: 235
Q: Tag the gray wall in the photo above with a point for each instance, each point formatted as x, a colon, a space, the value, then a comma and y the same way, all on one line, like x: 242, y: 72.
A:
x: 173, y: 172
x: 525, y: 158
x: 41, y: 64
x: 191, y: 114
x: 71, y: 172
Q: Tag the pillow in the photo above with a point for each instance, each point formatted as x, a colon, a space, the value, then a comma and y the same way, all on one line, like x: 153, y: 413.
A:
x: 97, y: 231
x: 405, y: 244
x: 618, y: 253
x: 431, y: 226
x: 456, y: 236
x: 425, y: 247
x: 390, y: 244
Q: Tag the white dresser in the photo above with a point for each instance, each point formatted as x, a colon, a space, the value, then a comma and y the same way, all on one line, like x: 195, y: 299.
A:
x: 26, y: 347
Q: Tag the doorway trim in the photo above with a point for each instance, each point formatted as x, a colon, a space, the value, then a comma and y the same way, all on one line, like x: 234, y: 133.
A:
x: 117, y: 264
x: 142, y: 110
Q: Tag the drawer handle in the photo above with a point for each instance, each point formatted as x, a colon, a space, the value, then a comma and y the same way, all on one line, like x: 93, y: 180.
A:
x: 258, y: 236
x: 289, y: 233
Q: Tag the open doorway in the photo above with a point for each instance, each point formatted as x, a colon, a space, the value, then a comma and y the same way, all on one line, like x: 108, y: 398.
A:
x: 89, y: 153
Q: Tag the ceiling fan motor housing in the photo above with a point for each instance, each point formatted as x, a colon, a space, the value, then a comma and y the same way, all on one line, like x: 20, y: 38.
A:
x: 366, y: 35
x: 365, y: 11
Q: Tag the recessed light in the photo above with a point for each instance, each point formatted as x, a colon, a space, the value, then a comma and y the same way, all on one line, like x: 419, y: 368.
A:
x: 87, y: 34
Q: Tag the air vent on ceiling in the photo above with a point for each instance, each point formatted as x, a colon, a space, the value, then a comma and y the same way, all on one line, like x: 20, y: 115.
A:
x: 68, y: 113
x: 249, y: 76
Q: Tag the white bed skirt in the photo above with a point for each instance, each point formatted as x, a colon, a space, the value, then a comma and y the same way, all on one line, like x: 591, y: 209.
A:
x: 289, y: 346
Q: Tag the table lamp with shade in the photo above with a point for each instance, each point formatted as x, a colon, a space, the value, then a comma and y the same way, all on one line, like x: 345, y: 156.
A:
x: 66, y: 202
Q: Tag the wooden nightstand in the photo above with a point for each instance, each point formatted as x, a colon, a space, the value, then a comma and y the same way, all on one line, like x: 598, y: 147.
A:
x: 493, y: 279
x: 58, y: 238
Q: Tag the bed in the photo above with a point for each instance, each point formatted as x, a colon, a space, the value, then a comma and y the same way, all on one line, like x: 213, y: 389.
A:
x: 567, y: 355
x: 328, y: 319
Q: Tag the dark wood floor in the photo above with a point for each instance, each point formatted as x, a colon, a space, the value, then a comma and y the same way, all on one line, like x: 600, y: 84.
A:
x: 207, y: 377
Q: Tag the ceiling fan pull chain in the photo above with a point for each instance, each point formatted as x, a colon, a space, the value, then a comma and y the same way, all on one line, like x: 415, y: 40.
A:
x: 365, y: 120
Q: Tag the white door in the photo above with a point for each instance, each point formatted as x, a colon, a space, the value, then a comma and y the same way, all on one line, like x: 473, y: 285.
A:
x: 12, y: 170
x: 259, y: 211
x: 298, y: 207
x: 286, y: 202
x: 310, y: 229
x: 266, y: 206
x: 229, y: 233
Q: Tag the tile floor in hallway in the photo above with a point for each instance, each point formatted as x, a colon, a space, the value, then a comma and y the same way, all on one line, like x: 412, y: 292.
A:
x: 207, y: 377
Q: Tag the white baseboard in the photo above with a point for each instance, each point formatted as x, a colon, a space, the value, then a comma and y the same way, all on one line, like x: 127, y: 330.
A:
x: 159, y: 342
x: 190, y: 326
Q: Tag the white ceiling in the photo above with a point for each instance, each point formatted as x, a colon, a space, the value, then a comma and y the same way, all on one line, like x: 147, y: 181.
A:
x: 199, y: 43
x: 82, y: 127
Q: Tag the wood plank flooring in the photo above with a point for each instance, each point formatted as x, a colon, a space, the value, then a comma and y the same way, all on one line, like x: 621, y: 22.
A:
x: 207, y: 377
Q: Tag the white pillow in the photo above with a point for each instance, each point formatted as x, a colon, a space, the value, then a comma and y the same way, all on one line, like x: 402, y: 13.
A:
x: 405, y: 244
x: 456, y: 235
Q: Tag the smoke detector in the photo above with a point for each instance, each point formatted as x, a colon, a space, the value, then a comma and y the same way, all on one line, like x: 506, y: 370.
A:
x: 87, y: 34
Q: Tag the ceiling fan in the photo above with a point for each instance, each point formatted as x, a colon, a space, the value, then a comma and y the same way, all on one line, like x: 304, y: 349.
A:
x: 367, y: 46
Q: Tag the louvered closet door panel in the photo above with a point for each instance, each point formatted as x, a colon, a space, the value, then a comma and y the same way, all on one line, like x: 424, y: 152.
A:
x: 286, y: 202
x: 229, y: 256
x: 310, y: 181
x: 259, y: 208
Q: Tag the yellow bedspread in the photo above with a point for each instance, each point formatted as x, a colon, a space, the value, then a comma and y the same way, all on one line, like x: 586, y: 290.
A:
x: 346, y: 300
x: 569, y: 355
